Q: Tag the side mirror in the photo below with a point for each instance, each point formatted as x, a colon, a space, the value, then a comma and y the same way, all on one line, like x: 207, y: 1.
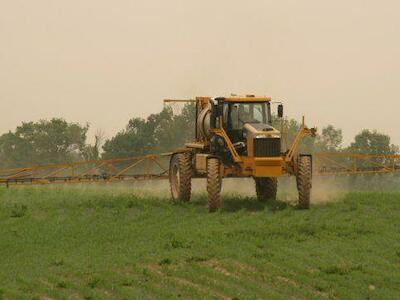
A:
x: 280, y: 111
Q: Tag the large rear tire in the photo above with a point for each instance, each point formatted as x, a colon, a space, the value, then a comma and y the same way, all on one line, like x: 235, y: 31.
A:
x: 266, y: 188
x: 180, y: 177
x: 304, y: 181
x: 214, y: 184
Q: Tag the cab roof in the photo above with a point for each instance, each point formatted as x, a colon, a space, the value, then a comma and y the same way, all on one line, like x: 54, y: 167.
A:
x: 247, y: 99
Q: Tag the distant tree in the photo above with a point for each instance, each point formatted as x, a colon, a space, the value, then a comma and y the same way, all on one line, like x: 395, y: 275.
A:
x: 372, y: 142
x: 92, y: 152
x: 179, y: 130
x: 329, y: 140
x: 158, y: 133
x: 43, y: 142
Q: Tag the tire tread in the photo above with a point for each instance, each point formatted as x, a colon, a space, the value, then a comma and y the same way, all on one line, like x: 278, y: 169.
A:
x: 266, y: 188
x: 304, y: 183
x: 213, y: 184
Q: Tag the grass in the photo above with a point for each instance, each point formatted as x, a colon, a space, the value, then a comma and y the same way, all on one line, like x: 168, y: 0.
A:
x: 101, y: 243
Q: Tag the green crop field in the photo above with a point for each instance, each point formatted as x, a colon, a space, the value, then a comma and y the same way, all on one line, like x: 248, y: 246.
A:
x: 113, y: 243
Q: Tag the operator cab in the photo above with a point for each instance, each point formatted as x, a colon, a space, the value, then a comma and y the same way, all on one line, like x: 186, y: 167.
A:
x: 247, y: 122
x: 238, y: 114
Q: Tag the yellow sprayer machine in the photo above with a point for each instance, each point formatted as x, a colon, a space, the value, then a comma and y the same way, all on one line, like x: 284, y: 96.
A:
x: 235, y: 139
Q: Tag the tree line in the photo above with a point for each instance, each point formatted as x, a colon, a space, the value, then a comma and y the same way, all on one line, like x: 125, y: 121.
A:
x: 57, y: 141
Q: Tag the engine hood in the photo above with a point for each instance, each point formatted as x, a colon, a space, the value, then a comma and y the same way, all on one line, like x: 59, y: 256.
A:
x: 262, y: 130
x: 262, y: 127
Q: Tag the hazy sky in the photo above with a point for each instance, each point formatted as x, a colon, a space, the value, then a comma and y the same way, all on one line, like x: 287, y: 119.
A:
x: 104, y: 62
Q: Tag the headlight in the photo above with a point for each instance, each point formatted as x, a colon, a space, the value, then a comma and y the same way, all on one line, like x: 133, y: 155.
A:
x: 260, y: 136
x: 265, y: 136
x: 275, y: 136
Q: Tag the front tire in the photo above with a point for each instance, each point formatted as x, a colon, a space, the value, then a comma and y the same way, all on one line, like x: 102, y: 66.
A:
x: 180, y: 177
x: 304, y: 181
x: 214, y: 184
x: 266, y: 188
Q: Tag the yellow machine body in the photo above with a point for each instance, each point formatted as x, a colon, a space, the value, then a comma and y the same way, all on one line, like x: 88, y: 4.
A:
x: 248, y: 165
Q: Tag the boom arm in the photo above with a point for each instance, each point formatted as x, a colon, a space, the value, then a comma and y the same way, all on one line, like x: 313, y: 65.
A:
x: 179, y: 101
x: 303, y: 132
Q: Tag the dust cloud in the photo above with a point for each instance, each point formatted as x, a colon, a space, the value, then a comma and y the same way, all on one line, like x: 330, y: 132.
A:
x: 325, y: 189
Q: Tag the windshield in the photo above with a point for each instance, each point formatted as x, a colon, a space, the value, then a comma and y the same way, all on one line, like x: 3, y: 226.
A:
x: 236, y: 115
